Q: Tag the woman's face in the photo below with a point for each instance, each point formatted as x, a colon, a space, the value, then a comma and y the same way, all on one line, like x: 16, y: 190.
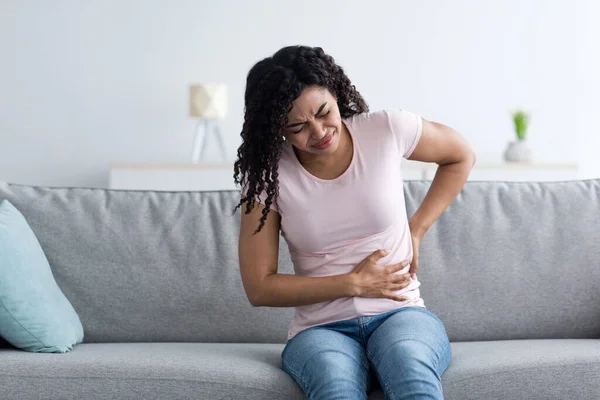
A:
x: 314, y: 122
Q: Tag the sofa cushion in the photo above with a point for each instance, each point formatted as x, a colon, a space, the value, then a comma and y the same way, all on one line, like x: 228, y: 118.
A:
x: 35, y: 315
x: 149, y: 371
x: 520, y: 369
x: 507, y: 260
x: 524, y: 369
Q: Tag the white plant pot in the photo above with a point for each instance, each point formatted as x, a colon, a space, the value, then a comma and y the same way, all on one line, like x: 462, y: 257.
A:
x: 518, y: 151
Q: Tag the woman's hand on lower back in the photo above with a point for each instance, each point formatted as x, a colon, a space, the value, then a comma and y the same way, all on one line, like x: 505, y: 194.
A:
x: 374, y: 280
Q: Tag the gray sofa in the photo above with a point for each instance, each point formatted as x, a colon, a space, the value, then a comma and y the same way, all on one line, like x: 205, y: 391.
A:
x: 512, y: 269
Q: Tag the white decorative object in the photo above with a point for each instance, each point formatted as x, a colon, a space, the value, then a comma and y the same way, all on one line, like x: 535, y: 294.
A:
x: 208, y: 102
x: 518, y: 151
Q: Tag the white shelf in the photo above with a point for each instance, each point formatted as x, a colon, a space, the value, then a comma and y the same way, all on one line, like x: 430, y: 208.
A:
x: 164, y: 166
x: 511, y: 172
x: 219, y: 176
x: 172, y: 177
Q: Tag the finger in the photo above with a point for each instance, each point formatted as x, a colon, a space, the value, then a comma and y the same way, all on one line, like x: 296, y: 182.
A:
x: 414, y: 266
x: 395, y: 297
x: 401, y: 285
x: 397, y: 267
x: 400, y: 278
x: 377, y: 254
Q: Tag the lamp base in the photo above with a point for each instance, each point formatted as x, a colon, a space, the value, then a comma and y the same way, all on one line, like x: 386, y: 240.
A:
x: 204, y: 128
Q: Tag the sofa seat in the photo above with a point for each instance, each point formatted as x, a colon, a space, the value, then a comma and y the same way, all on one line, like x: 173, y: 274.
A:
x: 524, y: 369
x: 517, y: 369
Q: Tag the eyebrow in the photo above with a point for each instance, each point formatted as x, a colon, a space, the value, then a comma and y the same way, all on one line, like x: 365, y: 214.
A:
x: 300, y: 123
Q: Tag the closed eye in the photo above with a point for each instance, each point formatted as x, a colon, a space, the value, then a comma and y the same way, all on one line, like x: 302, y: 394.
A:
x: 318, y: 116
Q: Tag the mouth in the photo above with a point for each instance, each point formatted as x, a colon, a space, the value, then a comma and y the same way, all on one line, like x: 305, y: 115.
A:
x: 325, y: 142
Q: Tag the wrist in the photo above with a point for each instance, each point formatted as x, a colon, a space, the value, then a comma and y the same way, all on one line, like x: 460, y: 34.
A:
x: 416, y: 229
x: 352, y: 288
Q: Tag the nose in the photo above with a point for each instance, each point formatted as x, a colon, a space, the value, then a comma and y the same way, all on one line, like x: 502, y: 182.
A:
x: 318, y: 130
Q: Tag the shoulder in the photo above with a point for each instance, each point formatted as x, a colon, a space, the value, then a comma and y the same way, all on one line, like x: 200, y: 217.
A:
x: 375, y: 119
x: 382, y: 124
x: 402, y: 127
x: 390, y: 120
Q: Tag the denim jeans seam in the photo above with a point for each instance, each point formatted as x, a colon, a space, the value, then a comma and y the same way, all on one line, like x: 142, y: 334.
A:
x: 447, y: 345
x: 383, y: 381
x: 446, y: 348
x: 297, y: 376
x: 438, y: 354
x: 361, y: 333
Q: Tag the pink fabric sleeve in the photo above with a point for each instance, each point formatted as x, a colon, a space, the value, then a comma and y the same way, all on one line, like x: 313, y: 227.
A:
x: 407, y: 128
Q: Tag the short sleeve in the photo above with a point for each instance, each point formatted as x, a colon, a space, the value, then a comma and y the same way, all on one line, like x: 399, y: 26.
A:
x: 262, y: 198
x: 407, y: 128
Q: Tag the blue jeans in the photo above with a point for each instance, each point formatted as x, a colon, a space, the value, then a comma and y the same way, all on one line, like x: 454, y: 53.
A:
x: 405, y: 350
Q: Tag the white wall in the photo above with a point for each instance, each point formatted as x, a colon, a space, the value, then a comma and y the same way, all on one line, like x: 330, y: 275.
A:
x: 87, y: 83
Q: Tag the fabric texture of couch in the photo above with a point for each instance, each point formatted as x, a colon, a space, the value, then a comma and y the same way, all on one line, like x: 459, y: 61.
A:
x: 512, y: 269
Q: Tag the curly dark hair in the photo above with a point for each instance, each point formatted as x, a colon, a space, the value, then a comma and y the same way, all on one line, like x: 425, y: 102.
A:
x: 272, y: 85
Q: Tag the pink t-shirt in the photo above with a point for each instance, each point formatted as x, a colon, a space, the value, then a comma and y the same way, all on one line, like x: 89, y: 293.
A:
x: 330, y: 226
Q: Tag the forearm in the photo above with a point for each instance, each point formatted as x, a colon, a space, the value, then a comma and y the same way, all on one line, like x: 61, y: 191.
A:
x: 446, y: 185
x: 284, y: 290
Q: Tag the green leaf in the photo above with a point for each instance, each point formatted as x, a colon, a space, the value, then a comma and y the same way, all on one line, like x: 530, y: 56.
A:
x: 521, y: 120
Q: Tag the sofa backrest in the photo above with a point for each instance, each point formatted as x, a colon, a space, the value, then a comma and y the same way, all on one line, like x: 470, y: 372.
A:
x: 505, y: 261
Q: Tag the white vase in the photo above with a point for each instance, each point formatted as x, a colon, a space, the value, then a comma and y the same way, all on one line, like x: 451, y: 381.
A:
x: 518, y: 151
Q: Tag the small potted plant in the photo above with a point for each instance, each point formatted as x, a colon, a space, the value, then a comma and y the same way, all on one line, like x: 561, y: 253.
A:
x: 518, y: 150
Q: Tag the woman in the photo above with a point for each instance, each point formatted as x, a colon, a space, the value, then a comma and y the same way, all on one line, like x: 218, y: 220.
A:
x: 317, y: 165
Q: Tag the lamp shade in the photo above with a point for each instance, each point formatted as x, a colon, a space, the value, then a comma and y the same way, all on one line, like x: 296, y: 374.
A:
x: 208, y: 101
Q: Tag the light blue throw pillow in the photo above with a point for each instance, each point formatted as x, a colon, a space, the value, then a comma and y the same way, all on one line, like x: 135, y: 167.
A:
x: 35, y: 315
